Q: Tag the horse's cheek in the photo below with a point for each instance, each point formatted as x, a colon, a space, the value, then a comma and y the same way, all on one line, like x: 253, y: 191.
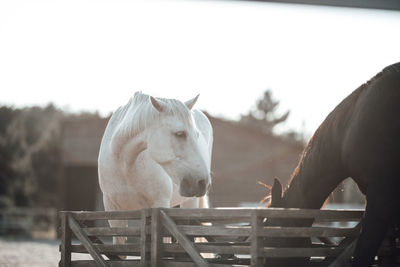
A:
x: 160, y: 149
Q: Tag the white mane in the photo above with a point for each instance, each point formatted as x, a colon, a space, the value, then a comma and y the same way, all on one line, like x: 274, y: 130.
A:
x: 138, y: 114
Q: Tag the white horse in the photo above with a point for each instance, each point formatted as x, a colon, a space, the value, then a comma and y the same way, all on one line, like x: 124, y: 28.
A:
x: 155, y: 152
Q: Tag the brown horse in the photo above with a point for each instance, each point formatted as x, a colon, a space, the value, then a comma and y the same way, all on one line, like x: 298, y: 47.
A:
x: 360, y: 139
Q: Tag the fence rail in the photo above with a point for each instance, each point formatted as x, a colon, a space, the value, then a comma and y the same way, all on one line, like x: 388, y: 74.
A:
x: 34, y: 222
x: 208, y: 237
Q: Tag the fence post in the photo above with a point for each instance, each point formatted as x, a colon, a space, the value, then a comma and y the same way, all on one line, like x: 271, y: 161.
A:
x: 256, y: 241
x: 65, y: 241
x: 156, y: 238
x: 145, y: 237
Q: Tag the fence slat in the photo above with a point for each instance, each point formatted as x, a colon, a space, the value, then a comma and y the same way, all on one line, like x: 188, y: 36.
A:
x: 145, y: 238
x: 112, y: 231
x: 214, y: 230
x: 156, y: 238
x: 205, y: 214
x: 318, y: 215
x: 183, y: 240
x: 80, y: 234
x: 96, y: 240
x: 232, y: 213
x: 126, y: 249
x: 306, y: 232
x: 274, y: 252
x: 65, y: 260
x: 256, y: 241
x: 106, y: 215
x: 190, y: 264
x: 120, y: 263
x: 267, y: 231
x: 209, y: 248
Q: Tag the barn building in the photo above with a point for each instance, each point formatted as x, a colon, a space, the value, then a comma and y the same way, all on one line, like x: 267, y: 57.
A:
x: 242, y: 156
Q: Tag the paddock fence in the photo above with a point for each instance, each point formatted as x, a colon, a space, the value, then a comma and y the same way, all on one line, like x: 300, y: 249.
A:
x: 217, y: 237
x: 29, y: 222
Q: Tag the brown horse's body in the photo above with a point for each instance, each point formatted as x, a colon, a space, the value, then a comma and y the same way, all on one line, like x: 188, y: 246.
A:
x: 360, y: 139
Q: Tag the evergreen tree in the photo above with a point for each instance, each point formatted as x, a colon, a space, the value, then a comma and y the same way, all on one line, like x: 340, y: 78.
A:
x: 264, y: 116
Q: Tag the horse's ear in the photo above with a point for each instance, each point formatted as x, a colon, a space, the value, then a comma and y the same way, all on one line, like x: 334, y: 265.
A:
x: 190, y: 103
x: 157, y: 104
x: 276, y: 192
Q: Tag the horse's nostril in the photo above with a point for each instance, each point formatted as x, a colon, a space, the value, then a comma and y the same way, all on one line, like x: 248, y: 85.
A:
x: 202, y: 183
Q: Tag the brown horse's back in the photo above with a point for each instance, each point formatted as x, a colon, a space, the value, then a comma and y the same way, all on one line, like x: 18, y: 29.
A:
x: 371, y: 143
x: 371, y: 153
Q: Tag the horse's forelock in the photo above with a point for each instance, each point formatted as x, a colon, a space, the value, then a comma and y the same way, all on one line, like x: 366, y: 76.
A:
x: 139, y: 114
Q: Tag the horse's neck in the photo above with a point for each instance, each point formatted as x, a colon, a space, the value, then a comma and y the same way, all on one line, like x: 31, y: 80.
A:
x: 318, y: 173
x: 321, y: 168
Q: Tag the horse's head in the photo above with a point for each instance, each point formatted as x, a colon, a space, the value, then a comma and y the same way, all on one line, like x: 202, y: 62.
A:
x: 177, y: 145
x: 278, y: 200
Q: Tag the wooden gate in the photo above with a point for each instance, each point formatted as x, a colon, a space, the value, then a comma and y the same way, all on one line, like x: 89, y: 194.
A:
x: 206, y: 237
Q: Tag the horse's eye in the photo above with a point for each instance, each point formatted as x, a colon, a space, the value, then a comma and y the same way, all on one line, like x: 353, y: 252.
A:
x: 180, y: 134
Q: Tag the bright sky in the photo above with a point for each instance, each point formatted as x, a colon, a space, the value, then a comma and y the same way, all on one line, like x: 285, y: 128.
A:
x: 93, y: 55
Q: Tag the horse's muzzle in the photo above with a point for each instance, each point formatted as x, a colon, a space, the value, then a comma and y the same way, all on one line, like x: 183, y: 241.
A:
x: 191, y: 187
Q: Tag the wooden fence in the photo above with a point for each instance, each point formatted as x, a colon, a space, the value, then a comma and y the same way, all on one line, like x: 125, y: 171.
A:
x: 32, y: 222
x: 207, y: 237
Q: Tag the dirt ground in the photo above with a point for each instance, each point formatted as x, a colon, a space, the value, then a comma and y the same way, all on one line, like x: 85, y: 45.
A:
x: 31, y: 253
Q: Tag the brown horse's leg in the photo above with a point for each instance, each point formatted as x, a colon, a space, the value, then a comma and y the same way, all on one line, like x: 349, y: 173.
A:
x: 381, y: 212
x: 373, y: 232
